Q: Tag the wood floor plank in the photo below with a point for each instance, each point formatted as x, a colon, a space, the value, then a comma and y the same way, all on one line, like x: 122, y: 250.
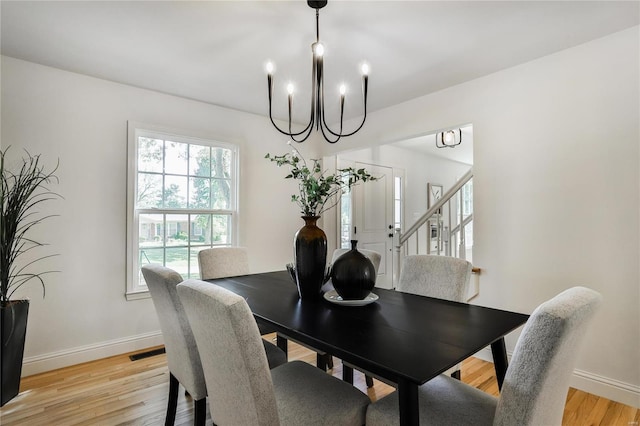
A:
x: 627, y: 416
x: 118, y: 391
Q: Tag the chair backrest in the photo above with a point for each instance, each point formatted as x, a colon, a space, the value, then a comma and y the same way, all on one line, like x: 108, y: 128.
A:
x: 220, y: 262
x: 443, y: 277
x: 180, y: 345
x: 234, y: 361
x: 373, y: 256
x: 537, y: 380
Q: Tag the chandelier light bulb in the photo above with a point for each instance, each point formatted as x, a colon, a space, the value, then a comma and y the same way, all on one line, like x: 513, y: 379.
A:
x: 365, y: 69
x: 269, y: 67
x: 343, y: 89
x: 319, y: 49
x: 290, y: 89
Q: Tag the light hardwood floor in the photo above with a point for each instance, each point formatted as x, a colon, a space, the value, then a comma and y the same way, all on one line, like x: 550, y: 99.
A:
x: 118, y: 391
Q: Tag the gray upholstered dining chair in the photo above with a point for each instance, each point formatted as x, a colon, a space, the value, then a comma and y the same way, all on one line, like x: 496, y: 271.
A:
x: 222, y: 262
x: 536, y: 383
x: 182, y: 354
x: 227, y: 261
x: 374, y: 257
x: 442, y: 277
x: 242, y: 390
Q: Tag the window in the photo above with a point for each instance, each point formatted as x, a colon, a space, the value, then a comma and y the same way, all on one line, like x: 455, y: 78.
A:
x: 466, y: 204
x: 345, y: 219
x: 467, y: 199
x: 397, y: 202
x: 181, y: 199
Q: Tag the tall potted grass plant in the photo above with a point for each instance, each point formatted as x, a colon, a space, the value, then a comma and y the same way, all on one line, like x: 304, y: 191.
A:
x: 23, y: 190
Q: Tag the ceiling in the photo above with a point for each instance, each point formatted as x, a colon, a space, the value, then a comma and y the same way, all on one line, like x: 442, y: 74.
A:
x: 215, y: 51
x: 426, y: 145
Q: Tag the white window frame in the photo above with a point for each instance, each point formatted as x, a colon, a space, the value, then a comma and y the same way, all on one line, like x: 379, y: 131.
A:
x: 135, y: 290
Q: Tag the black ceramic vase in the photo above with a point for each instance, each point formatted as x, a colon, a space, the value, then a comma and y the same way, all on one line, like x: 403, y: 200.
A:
x: 13, y: 328
x: 310, y: 251
x: 353, y: 275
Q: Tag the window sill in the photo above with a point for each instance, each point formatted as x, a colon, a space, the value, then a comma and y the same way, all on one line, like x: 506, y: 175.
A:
x: 137, y: 295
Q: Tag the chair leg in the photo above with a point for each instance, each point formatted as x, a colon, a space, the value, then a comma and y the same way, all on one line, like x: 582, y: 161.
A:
x: 456, y: 374
x: 172, y: 404
x: 368, y: 380
x: 324, y: 362
x: 281, y: 342
x: 347, y: 374
x: 321, y: 362
x: 200, y: 412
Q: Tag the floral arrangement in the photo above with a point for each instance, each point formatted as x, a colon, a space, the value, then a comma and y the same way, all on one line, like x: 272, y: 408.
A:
x: 316, y: 188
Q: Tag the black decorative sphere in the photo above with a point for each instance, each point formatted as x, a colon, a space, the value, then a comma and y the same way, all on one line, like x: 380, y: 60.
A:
x: 353, y: 275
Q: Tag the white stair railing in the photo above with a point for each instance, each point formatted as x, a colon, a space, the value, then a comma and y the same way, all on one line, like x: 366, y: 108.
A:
x: 438, y: 231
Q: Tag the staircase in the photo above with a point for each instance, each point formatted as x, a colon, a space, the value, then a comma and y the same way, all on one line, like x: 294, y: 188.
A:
x: 444, y: 229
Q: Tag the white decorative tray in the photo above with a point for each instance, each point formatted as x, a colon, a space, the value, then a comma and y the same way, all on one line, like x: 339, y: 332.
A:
x: 333, y: 297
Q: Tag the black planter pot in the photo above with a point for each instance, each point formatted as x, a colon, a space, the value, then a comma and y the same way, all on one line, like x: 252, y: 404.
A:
x: 13, y: 331
x: 310, y: 251
x: 353, y: 275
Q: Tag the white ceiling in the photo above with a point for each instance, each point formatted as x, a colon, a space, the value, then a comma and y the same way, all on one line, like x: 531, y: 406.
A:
x: 426, y: 145
x: 215, y: 51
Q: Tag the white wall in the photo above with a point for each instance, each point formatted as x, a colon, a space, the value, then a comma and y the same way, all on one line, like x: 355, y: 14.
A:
x: 419, y: 169
x: 556, y: 189
x: 83, y: 122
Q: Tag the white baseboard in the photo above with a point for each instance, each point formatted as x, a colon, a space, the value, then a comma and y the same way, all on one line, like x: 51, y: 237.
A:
x: 51, y: 361
x: 614, y: 390
x: 605, y: 387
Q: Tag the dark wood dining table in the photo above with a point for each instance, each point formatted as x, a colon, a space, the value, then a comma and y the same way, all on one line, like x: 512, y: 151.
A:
x: 403, y: 338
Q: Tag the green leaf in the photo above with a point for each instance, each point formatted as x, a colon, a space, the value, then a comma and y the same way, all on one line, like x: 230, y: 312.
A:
x: 315, y: 189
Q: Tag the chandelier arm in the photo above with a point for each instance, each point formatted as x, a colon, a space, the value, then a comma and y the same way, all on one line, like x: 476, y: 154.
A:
x: 310, y: 129
x: 327, y: 136
x: 290, y: 134
x: 359, y: 127
x: 318, y: 90
x: 365, y: 87
x: 285, y: 132
x: 344, y: 135
x: 324, y: 124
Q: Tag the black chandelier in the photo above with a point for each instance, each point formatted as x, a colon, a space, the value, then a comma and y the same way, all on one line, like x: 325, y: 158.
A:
x: 317, y: 118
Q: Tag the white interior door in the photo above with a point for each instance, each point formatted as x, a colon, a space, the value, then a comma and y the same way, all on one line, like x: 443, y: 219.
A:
x: 373, y: 218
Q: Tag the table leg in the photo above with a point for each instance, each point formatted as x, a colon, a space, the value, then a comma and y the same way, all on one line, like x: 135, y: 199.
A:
x: 408, y: 401
x: 500, y: 362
